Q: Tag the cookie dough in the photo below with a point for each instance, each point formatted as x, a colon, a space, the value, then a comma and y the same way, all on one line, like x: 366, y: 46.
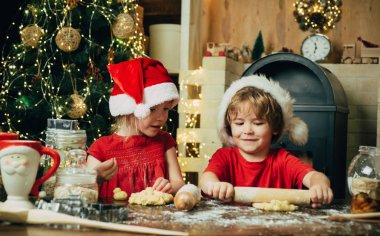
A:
x: 275, y: 205
x: 150, y: 197
x: 119, y: 195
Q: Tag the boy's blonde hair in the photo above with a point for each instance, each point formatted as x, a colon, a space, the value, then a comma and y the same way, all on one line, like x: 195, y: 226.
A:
x: 295, y: 128
x: 262, y: 104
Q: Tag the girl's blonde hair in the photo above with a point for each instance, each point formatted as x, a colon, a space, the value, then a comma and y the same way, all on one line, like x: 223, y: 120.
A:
x: 262, y: 104
x: 127, y: 121
x: 130, y: 121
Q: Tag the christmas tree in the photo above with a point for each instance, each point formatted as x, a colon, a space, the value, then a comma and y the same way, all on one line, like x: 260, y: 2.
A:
x: 54, y: 62
x: 258, y: 47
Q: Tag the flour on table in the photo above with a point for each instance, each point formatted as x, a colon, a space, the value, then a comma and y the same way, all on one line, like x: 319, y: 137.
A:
x: 275, y: 205
x: 150, y: 197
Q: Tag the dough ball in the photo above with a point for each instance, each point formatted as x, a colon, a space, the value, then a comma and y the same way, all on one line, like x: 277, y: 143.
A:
x: 150, y: 197
x: 119, y: 195
x: 275, y: 205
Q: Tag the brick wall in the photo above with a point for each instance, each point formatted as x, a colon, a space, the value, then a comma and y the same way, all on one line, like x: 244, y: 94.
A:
x: 361, y: 83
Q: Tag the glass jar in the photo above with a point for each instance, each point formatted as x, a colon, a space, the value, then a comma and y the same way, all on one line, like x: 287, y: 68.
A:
x: 76, y: 182
x: 63, y: 141
x: 66, y: 140
x: 363, y: 180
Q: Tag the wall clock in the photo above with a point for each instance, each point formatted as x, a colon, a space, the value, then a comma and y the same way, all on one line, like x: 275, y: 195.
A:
x: 316, y: 47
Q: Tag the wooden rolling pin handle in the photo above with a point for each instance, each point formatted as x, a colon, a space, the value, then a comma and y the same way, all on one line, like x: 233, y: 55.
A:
x: 187, y: 197
x: 248, y: 195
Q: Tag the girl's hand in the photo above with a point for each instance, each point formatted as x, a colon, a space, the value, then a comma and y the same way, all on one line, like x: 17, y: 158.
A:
x: 162, y: 185
x: 107, y: 170
x: 220, y: 190
x: 320, y: 194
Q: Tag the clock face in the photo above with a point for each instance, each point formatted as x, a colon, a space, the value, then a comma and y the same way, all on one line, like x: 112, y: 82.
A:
x: 316, y: 47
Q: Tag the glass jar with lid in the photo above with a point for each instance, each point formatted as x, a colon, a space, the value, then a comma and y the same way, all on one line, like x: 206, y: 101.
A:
x: 76, y: 182
x: 364, y: 180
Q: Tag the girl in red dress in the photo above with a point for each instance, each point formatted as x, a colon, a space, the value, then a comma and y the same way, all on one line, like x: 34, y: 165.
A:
x: 138, y: 154
x: 254, y: 113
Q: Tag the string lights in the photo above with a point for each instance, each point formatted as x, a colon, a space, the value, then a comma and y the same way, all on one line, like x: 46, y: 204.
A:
x: 39, y: 78
x: 317, y: 15
x: 190, y: 107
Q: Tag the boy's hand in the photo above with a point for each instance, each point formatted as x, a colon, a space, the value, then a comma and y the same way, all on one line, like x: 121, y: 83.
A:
x: 320, y: 194
x: 162, y: 185
x: 220, y: 190
x: 107, y: 170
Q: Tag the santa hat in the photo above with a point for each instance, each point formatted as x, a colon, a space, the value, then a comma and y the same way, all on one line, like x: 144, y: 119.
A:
x: 140, y: 84
x: 294, y: 127
x: 28, y: 148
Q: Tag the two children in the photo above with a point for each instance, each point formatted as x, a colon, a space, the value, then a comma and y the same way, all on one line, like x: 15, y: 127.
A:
x: 254, y: 113
x: 138, y: 154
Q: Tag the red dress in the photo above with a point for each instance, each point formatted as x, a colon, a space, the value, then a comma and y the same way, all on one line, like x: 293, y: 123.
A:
x: 140, y: 160
x: 280, y: 169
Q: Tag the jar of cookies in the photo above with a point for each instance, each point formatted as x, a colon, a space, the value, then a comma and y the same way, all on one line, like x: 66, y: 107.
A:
x: 76, y: 183
x: 364, y: 180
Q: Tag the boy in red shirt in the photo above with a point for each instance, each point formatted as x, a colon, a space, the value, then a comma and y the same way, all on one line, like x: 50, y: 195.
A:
x: 254, y: 113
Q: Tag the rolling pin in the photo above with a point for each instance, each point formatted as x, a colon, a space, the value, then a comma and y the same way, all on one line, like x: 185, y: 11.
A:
x: 187, y: 197
x: 248, y: 195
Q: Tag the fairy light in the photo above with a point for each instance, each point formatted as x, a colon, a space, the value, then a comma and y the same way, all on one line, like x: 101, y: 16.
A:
x: 191, y: 106
x: 317, y: 15
x: 41, y: 75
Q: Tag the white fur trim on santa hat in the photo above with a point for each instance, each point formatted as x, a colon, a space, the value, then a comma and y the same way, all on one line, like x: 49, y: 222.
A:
x: 160, y: 93
x: 294, y: 127
x: 142, y: 111
x: 121, y: 104
x: 19, y: 149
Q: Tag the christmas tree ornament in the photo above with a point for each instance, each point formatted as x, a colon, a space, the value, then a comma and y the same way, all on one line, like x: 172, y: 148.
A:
x: 93, y: 71
x: 68, y: 39
x: 258, y: 47
x: 72, y: 3
x: 31, y: 34
x: 123, y: 26
x: 77, y: 106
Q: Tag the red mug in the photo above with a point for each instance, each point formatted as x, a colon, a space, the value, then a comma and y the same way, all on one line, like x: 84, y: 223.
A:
x: 8, y: 136
x: 20, y: 160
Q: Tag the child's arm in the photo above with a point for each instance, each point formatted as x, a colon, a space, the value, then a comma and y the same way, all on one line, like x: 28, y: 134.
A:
x: 319, y: 187
x: 175, y: 181
x: 105, y: 170
x: 211, y: 185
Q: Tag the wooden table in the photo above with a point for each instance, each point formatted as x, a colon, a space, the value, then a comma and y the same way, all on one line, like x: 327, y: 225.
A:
x: 212, y: 217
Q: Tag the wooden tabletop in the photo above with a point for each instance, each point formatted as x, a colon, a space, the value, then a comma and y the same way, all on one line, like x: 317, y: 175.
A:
x: 212, y: 217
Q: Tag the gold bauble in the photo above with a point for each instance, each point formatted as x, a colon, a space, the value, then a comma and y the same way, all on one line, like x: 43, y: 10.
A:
x: 68, y: 39
x: 72, y: 3
x: 78, y: 107
x: 31, y: 34
x: 123, y: 26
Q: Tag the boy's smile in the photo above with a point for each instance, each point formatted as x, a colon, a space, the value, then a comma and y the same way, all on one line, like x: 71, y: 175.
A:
x: 252, y: 136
